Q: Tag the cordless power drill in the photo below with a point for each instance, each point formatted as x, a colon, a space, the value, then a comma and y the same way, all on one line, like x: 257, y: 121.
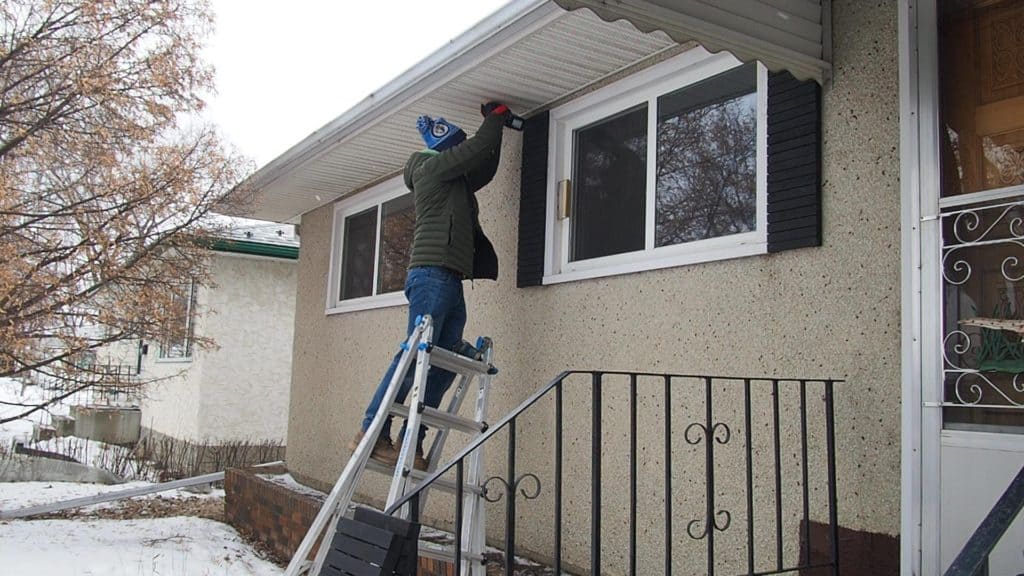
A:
x: 511, y: 120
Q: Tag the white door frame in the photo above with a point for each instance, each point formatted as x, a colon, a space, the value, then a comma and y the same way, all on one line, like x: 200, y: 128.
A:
x: 921, y: 333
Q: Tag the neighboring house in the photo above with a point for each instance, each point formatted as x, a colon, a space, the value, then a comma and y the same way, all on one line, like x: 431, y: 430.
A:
x: 236, y: 392
x: 756, y: 188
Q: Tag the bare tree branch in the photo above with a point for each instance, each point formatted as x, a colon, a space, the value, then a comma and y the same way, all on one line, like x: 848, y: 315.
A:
x: 107, y: 178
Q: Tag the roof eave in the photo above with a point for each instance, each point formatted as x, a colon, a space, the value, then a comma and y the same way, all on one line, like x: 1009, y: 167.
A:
x: 462, y: 53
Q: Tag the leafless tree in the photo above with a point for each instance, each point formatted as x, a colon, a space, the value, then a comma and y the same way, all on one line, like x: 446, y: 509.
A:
x: 706, y: 172
x: 107, y: 178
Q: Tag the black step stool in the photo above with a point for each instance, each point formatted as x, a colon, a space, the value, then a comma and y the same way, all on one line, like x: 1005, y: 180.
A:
x: 373, y: 544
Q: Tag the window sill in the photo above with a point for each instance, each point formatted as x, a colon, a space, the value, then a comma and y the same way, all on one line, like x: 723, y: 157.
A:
x: 640, y: 265
x: 368, y: 303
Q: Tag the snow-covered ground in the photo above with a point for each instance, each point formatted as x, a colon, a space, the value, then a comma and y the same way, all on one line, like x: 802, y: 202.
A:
x: 175, y: 546
x: 11, y: 392
x: 180, y: 546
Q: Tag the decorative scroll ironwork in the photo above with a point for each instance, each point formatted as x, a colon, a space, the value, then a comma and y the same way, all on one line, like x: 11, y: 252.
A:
x: 971, y: 393
x: 707, y: 525
x: 721, y: 434
x: 721, y: 426
x: 510, y: 490
x: 976, y: 350
x: 1007, y: 229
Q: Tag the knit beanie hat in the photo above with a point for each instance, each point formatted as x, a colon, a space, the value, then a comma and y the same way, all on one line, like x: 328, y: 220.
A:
x: 438, y: 133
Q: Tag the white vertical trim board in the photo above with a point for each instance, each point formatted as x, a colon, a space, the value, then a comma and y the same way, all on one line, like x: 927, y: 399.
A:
x: 931, y: 285
x: 910, y: 290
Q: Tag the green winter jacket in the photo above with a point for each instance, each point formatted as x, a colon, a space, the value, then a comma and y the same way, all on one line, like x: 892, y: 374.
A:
x: 444, y: 184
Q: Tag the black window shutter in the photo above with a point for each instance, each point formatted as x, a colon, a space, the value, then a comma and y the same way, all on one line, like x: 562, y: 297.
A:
x: 794, y: 163
x: 533, y: 201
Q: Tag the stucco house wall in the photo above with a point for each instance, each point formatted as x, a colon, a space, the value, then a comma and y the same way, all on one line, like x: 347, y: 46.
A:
x: 239, y: 390
x: 253, y: 323
x: 170, y: 405
x: 831, y: 311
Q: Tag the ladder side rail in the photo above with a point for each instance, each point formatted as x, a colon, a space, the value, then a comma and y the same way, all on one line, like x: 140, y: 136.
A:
x: 441, y: 434
x: 334, y: 506
x: 474, y: 508
x: 407, y: 454
x: 454, y: 405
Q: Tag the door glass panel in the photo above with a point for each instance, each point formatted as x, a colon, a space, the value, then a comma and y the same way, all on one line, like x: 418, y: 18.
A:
x: 983, y: 350
x: 981, y: 50
x: 981, y: 84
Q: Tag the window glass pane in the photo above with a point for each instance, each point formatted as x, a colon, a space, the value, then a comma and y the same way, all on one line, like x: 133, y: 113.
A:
x: 180, y: 329
x: 398, y: 220
x: 359, y: 238
x: 609, y: 186
x: 707, y: 159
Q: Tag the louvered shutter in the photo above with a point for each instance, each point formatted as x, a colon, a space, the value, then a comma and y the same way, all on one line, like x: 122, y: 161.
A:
x: 794, y: 163
x: 533, y: 201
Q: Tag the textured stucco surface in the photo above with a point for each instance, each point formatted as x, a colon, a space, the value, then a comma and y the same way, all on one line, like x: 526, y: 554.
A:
x: 239, y: 390
x: 830, y: 312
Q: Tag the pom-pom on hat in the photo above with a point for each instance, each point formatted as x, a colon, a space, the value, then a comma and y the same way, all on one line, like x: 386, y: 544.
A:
x: 438, y: 133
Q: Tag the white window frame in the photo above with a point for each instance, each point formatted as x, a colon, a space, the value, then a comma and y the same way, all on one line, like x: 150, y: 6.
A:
x: 375, y: 196
x: 646, y: 86
x: 190, y: 327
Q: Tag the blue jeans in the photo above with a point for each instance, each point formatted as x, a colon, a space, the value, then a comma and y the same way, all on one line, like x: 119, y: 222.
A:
x: 436, y: 291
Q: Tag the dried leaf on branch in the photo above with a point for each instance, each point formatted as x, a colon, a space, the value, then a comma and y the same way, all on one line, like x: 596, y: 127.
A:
x: 107, y: 178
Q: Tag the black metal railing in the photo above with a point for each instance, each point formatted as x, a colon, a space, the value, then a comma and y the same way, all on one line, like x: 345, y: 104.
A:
x: 785, y: 410
x: 973, y: 557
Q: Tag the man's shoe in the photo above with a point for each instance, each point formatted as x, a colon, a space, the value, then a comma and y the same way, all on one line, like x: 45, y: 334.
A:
x: 468, y: 350
x: 383, y: 451
x: 418, y: 462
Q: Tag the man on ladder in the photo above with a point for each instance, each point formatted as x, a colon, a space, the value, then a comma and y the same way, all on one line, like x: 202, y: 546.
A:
x: 448, y: 247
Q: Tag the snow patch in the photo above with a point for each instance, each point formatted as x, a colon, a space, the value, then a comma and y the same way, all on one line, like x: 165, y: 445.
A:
x: 292, y: 484
x: 166, y: 546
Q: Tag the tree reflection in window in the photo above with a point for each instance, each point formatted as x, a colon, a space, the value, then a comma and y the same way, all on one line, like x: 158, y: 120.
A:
x: 398, y: 222
x: 707, y: 159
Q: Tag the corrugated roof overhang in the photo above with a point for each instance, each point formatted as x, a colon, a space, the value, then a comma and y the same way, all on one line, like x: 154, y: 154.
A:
x: 788, y: 35
x: 530, y: 54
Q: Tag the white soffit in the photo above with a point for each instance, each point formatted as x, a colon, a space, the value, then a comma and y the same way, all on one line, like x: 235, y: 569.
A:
x: 788, y: 35
x: 528, y: 54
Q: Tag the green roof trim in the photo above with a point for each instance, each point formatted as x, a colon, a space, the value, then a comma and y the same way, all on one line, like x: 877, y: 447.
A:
x: 255, y: 248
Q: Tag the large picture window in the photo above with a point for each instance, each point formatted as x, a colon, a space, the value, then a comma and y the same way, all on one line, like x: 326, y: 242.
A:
x: 663, y: 168
x: 370, y: 250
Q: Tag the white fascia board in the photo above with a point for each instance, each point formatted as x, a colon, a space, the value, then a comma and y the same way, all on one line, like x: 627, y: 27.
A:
x: 513, y: 21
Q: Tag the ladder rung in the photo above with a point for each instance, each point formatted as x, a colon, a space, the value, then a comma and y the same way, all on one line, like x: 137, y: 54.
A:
x: 448, y: 554
x: 442, y: 484
x: 440, y: 418
x: 457, y: 363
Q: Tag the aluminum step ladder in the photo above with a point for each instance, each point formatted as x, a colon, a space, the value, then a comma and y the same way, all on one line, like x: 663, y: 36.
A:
x: 404, y: 476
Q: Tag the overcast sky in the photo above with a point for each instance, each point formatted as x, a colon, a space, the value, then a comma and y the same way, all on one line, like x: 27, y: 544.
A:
x: 285, y: 69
